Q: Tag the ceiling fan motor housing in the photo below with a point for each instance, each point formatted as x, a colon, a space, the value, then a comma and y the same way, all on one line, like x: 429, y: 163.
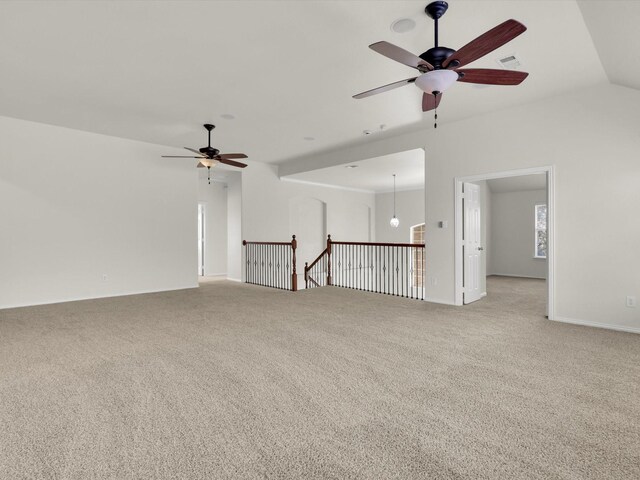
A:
x: 437, y: 55
x: 209, y: 151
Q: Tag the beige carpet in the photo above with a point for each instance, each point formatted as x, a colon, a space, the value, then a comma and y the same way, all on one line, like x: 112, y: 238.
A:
x: 239, y: 381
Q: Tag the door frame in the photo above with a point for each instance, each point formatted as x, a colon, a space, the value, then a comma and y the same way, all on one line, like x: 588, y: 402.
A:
x: 551, y: 230
x: 202, y: 240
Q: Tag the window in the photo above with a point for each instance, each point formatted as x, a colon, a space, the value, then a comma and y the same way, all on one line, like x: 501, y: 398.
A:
x: 540, y: 231
x: 417, y: 260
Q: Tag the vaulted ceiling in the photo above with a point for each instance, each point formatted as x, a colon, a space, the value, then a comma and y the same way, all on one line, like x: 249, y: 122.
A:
x: 285, y: 70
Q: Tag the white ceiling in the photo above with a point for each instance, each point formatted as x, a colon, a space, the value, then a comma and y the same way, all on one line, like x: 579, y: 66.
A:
x: 518, y: 184
x: 614, y: 29
x: 373, y: 175
x: 155, y: 71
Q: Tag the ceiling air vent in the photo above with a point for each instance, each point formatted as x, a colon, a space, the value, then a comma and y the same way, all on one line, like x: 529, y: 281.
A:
x: 510, y: 62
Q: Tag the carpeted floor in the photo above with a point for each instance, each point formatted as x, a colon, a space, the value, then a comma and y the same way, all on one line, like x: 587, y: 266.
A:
x: 239, y: 381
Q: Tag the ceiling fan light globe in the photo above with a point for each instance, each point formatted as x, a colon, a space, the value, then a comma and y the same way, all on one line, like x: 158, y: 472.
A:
x: 436, y: 80
x: 207, y: 162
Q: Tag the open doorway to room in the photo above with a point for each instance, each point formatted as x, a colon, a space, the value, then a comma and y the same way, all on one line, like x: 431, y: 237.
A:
x: 219, y: 211
x: 504, y: 237
x: 201, y: 239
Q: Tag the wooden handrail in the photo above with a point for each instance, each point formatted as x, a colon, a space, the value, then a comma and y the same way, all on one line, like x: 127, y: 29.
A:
x: 309, y: 267
x: 376, y: 244
x: 244, y: 242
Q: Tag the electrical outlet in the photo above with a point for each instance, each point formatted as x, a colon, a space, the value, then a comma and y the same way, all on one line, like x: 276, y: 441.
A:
x: 105, y: 277
x: 433, y: 281
x: 631, y: 301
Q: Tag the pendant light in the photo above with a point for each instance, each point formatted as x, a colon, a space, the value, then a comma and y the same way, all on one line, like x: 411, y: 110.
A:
x: 394, y: 222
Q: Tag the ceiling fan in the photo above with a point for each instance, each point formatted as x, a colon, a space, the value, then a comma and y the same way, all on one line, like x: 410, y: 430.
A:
x: 439, y: 67
x: 210, y: 156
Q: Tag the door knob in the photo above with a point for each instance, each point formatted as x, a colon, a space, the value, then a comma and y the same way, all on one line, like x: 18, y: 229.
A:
x: 480, y: 248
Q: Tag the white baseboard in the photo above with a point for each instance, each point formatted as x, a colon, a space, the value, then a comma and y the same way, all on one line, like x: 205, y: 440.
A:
x: 234, y: 279
x: 512, y: 275
x: 94, y: 297
x: 586, y: 323
x: 438, y: 300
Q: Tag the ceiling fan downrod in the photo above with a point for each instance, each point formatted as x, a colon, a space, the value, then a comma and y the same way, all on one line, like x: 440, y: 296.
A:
x: 436, y: 10
x: 209, y: 127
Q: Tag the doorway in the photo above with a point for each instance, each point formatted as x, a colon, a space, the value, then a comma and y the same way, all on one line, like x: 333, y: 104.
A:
x: 472, y: 236
x: 201, y: 238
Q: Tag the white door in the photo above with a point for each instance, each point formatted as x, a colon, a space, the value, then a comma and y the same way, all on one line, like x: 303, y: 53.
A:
x: 472, y: 245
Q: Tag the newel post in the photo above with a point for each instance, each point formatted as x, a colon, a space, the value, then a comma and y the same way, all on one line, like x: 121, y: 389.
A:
x: 328, y: 259
x: 294, y: 274
x: 306, y: 274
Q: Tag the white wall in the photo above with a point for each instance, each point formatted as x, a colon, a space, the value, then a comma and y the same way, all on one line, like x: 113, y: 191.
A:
x: 409, y: 210
x: 513, y: 234
x: 308, y: 219
x: 594, y: 147
x: 265, y: 208
x: 591, y: 137
x: 234, y: 227
x: 75, y: 206
x: 214, y: 198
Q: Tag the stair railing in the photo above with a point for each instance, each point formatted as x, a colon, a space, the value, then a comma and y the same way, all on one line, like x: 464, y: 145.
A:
x: 388, y: 268
x: 271, y: 264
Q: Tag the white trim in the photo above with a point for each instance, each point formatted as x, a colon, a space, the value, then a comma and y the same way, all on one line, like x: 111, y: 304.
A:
x: 95, y: 297
x: 399, y: 189
x: 234, y: 279
x: 606, y: 326
x: 202, y: 268
x: 325, y: 185
x: 514, y: 276
x: 458, y: 260
x: 438, y: 300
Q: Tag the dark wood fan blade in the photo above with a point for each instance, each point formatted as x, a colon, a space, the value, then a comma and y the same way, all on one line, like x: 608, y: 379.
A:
x: 385, y: 88
x: 398, y: 54
x: 489, y: 76
x: 195, y: 151
x: 430, y: 101
x: 232, y: 155
x: 485, y: 43
x: 232, y: 163
x: 173, y: 156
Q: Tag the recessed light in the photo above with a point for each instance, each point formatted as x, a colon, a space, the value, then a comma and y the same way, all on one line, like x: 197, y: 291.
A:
x: 351, y: 166
x: 367, y: 132
x: 403, y: 25
x: 228, y: 116
x: 309, y: 139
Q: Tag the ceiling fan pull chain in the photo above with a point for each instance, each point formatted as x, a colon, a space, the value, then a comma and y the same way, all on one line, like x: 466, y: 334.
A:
x: 435, y: 111
x: 209, y: 174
